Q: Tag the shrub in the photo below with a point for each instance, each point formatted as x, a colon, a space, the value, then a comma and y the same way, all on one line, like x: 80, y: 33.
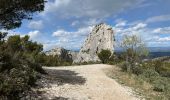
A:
x: 104, y: 55
x: 150, y: 75
x: 16, y: 81
x: 115, y: 59
x: 159, y: 85
x: 164, y: 70
x: 123, y: 66
x: 155, y: 73
x: 137, y: 70
x: 18, y: 66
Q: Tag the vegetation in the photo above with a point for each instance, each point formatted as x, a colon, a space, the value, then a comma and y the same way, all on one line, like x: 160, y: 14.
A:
x: 20, y: 62
x: 134, y: 50
x: 104, y: 56
x: 87, y: 63
x: 21, y: 59
x: 52, y: 60
x: 146, y: 78
x: 150, y: 78
x: 12, y: 12
x: 115, y: 59
x: 18, y: 66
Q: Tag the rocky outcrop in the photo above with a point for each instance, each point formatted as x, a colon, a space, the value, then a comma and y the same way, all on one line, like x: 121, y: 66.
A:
x: 101, y: 37
x: 64, y: 54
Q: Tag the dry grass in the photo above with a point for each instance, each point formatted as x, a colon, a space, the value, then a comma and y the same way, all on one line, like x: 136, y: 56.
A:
x: 141, y: 87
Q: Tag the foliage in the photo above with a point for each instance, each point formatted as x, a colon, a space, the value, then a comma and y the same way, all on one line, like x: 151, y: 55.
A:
x: 156, y: 73
x: 115, y: 59
x: 134, y: 49
x: 150, y: 75
x: 18, y: 66
x: 104, y: 55
x: 12, y: 12
x: 51, y: 60
x: 87, y: 63
x: 149, y: 85
x: 16, y: 81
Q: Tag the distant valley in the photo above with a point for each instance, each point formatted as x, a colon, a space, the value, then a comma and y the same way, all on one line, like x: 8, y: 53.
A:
x: 154, y: 51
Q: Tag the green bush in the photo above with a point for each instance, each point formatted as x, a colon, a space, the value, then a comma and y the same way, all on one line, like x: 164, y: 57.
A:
x: 156, y: 73
x: 164, y: 70
x: 150, y: 75
x: 159, y: 85
x: 18, y: 66
x: 115, y: 59
x: 104, y: 55
x: 51, y: 60
x: 137, y: 70
x: 16, y: 81
x: 123, y: 66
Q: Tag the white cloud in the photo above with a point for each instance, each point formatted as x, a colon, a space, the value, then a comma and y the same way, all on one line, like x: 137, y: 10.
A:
x: 151, y: 36
x: 37, y: 25
x: 158, y: 18
x: 121, y: 23
x: 60, y: 33
x: 74, y: 23
x: 89, y: 8
x: 165, y: 30
x: 139, y: 26
x: 80, y: 32
x: 34, y: 35
x: 79, y: 23
x: 164, y: 39
x: 70, y: 39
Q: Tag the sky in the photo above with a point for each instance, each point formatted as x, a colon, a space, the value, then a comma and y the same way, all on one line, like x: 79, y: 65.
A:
x: 67, y: 23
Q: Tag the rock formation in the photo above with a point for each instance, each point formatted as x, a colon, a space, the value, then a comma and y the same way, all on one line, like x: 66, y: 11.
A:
x: 101, y: 37
x: 63, y: 54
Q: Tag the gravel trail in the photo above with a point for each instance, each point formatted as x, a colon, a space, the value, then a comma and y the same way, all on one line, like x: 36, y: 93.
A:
x: 86, y: 82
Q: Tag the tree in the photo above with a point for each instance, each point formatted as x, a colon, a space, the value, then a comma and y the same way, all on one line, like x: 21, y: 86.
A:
x: 134, y: 49
x: 12, y: 12
x: 104, y: 55
x: 18, y: 66
x: 2, y: 36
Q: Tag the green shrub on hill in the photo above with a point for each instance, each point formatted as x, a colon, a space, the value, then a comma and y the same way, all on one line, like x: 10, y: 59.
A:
x: 104, y: 56
x: 18, y: 66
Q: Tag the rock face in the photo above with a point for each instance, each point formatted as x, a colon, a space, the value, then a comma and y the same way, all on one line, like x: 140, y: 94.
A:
x: 101, y: 37
x: 63, y: 53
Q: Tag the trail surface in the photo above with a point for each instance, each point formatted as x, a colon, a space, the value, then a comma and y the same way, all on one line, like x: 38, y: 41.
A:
x: 86, y: 82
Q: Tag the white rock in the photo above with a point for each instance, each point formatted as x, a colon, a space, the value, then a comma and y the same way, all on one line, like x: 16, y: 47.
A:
x: 101, y: 37
x: 63, y: 53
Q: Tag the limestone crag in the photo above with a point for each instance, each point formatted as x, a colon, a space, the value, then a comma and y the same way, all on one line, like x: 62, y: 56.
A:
x: 63, y: 53
x: 101, y: 37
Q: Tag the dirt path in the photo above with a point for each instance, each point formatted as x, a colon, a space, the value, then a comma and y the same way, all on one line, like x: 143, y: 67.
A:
x: 87, y: 82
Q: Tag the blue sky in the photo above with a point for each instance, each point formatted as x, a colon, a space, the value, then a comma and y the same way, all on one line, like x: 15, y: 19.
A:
x: 67, y: 23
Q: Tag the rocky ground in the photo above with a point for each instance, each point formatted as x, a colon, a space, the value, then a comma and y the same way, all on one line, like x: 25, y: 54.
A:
x: 87, y: 82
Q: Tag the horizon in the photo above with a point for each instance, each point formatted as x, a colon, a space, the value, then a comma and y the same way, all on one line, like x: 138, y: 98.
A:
x: 61, y: 24
x: 158, y: 49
